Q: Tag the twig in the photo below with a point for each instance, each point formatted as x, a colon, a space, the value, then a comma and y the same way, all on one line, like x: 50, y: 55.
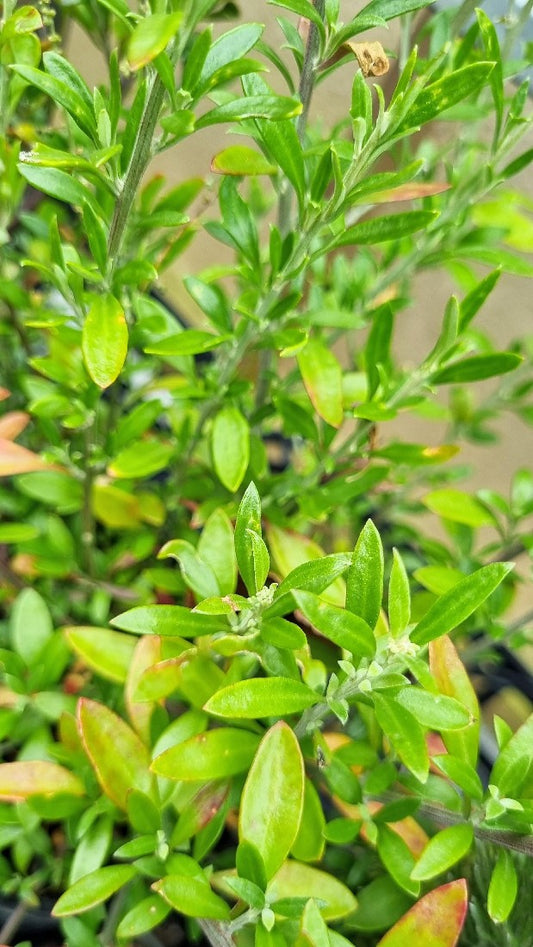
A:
x: 13, y: 922
x: 217, y: 932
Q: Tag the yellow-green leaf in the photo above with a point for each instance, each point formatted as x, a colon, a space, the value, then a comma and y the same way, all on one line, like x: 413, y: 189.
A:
x: 19, y: 780
x: 92, y: 889
x: 241, y: 160
x: 272, y: 799
x: 442, y: 851
x: 230, y: 442
x: 118, y: 756
x: 105, y: 340
x: 322, y: 377
x: 109, y: 653
x: 150, y: 37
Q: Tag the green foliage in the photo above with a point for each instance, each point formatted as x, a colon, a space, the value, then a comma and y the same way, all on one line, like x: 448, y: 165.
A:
x: 278, y: 737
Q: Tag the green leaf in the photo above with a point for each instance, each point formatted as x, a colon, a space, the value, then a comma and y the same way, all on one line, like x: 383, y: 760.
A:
x: 283, y: 145
x: 216, y: 548
x: 224, y: 52
x: 142, y: 459
x: 322, y: 377
x: 313, y: 930
x: 448, y: 91
x: 57, y: 184
x: 458, y: 506
x: 442, y: 851
x: 298, y: 880
x: 308, y: 845
x: 62, y: 93
x: 143, y: 916
x: 345, y: 629
x: 212, y: 755
x: 241, y: 160
x: 92, y: 889
x: 273, y: 795
x: 518, y: 750
x: 399, y: 597
x: 250, y: 865
x: 476, y: 368
x: 171, y: 620
x: 30, y: 626
x: 198, y: 575
x: 364, y: 582
x: 405, y: 734
x: 261, y: 697
x: 251, y: 560
x: 435, y: 921
x: 434, y: 711
x: 192, y: 897
x: 283, y: 634
x: 118, y: 756
x: 389, y: 9
x: 23, y: 779
x: 53, y: 487
x: 296, y: 558
x: 303, y: 8
x: 230, y: 443
x: 379, y: 229
x: 150, y: 37
x: 398, y: 859
x: 474, y: 300
x: 105, y: 340
x: 188, y: 342
x: 503, y: 887
x: 107, y: 652
x: 452, y: 679
x: 452, y: 608
x: 273, y: 107
x: 461, y: 773
x: 315, y: 576
x: 492, y: 52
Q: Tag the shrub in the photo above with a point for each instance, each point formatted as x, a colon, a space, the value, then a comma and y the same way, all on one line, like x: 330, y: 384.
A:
x: 278, y: 738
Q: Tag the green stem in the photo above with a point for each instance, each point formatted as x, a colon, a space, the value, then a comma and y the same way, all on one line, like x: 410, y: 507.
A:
x: 87, y: 518
x: 309, y: 69
x: 217, y: 933
x: 14, y: 921
x: 139, y: 161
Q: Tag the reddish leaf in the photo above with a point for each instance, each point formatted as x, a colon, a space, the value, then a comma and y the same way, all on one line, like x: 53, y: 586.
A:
x: 15, y: 459
x: 119, y: 758
x: 146, y: 654
x: 453, y: 681
x: 12, y: 424
x: 407, y: 192
x: 435, y: 921
x: 36, y: 777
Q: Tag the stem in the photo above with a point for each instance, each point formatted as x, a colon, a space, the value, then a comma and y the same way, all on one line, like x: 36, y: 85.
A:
x: 139, y: 160
x: 305, y: 93
x: 216, y: 932
x: 87, y: 518
x: 12, y: 924
x: 309, y: 68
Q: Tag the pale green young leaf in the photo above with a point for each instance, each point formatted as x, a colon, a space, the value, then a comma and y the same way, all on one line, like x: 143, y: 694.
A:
x: 364, y: 581
x: 192, y: 897
x: 399, y: 597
